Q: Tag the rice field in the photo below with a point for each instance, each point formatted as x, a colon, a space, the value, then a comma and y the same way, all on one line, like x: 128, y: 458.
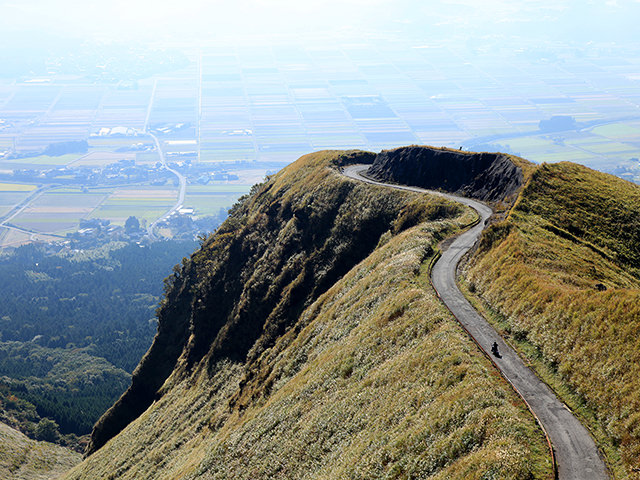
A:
x: 145, y: 203
x: 102, y: 158
x: 17, y: 187
x: 266, y: 104
x: 58, y: 211
x: 210, y: 199
x: 10, y: 198
x: 42, y: 161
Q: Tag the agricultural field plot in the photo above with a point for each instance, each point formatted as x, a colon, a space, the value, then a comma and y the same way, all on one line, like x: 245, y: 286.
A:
x: 13, y: 238
x: 210, y: 199
x: 102, y: 158
x: 58, y: 211
x: 585, y: 147
x: 619, y: 131
x: 609, y: 147
x: 80, y: 98
x: 384, y: 133
x: 40, y: 162
x: 126, y: 108
x: 11, y: 194
x: 147, y: 158
x: 112, y: 143
x: 227, y: 148
x: 336, y: 139
x: 145, y: 203
x: 110, y: 117
x: 16, y: 187
x: 175, y: 101
x: 29, y: 102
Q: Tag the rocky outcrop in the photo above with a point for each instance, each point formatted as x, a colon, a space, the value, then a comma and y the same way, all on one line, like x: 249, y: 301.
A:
x: 489, y: 177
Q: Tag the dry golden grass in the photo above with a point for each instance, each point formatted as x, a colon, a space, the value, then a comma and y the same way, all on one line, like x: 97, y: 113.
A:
x: 572, y: 233
x: 374, y: 380
x: 24, y: 459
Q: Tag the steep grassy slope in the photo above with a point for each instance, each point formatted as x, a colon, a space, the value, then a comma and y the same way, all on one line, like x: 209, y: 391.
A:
x: 24, y: 459
x: 304, y: 341
x: 564, y: 272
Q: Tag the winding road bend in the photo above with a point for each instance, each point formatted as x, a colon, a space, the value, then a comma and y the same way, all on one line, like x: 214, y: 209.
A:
x: 182, y: 188
x: 577, y: 456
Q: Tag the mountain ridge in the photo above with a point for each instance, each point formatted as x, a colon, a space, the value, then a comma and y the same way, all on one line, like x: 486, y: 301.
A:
x: 289, y: 235
x: 325, y: 388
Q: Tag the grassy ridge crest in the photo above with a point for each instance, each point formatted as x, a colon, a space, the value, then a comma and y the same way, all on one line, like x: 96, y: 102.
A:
x: 562, y: 271
x: 371, y: 378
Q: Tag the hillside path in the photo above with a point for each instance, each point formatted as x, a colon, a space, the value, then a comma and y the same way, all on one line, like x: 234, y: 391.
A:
x: 577, y: 456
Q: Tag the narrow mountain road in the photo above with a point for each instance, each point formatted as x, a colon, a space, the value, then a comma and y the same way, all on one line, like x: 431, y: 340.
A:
x: 577, y: 456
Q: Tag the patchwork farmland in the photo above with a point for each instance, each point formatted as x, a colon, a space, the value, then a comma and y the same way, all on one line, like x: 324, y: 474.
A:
x: 234, y: 114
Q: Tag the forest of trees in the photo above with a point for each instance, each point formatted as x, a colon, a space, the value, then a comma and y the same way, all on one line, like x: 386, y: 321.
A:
x: 73, y: 326
x: 103, y: 299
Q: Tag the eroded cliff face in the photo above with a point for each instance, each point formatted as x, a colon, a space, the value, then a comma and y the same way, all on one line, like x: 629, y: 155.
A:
x: 491, y: 177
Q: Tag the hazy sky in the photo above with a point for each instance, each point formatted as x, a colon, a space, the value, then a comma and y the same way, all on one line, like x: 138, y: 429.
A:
x: 209, y: 21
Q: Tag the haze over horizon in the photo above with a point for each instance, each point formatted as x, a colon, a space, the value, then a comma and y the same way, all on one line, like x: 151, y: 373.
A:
x: 199, y: 21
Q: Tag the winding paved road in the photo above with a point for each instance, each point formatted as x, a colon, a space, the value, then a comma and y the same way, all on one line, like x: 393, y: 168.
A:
x: 182, y: 188
x: 577, y: 456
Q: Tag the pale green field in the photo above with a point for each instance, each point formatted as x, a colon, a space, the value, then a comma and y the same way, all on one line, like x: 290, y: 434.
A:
x: 17, y: 187
x: 118, y: 214
x: 72, y: 201
x: 618, y: 130
x: 565, y: 155
x: 610, y: 147
x: 115, y: 142
x: 47, y: 160
x: 209, y: 199
x: 528, y: 143
x: 585, y: 142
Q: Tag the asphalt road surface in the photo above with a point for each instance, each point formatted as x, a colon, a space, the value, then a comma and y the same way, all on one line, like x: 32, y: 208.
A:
x: 577, y: 456
x: 182, y: 188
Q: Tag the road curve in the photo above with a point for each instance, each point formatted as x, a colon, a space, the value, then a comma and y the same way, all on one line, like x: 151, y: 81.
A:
x: 182, y: 188
x: 577, y: 456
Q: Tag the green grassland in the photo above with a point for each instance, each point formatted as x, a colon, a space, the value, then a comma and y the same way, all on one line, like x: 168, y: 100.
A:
x: 562, y: 275
x: 24, y: 459
x: 373, y: 379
